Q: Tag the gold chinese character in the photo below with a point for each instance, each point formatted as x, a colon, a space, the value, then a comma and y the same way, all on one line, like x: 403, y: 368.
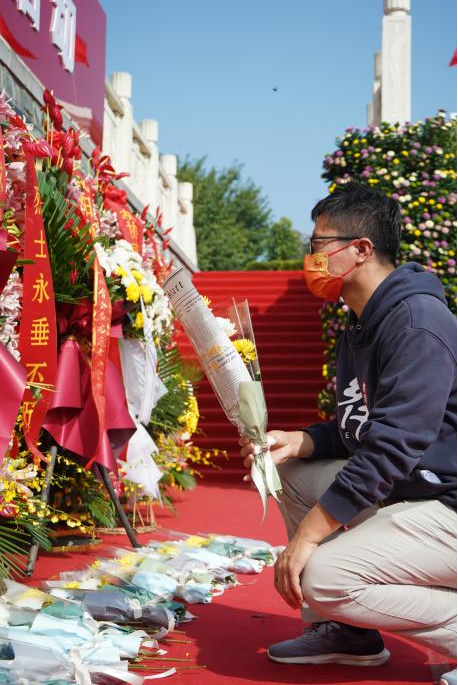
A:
x: 27, y: 411
x: 86, y: 206
x: 35, y: 375
x: 41, y: 242
x: 39, y: 332
x: 40, y: 286
x: 37, y: 201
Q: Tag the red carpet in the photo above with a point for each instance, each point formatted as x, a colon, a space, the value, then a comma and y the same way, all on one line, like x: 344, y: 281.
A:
x: 230, y: 636
x: 287, y: 329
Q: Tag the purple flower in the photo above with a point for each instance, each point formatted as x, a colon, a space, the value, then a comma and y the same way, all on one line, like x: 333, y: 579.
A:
x: 413, y: 151
x: 395, y: 196
x: 451, y: 262
x: 416, y: 145
x: 428, y: 150
x: 426, y: 215
x: 365, y: 173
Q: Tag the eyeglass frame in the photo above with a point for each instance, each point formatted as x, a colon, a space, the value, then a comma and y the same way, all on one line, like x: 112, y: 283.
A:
x: 330, y: 238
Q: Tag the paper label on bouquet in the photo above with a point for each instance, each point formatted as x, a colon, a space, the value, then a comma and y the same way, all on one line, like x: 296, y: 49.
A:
x: 217, y: 355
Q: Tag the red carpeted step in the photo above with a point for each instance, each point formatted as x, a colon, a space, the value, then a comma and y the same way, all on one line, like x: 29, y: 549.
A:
x: 288, y: 334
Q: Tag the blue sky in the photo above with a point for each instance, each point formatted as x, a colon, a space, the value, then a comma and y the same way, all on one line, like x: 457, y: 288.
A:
x: 206, y: 69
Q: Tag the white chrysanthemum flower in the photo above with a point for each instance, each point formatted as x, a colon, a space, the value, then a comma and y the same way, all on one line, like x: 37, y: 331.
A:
x: 227, y: 326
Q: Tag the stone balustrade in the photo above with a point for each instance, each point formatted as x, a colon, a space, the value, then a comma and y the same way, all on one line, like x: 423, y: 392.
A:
x: 152, y: 179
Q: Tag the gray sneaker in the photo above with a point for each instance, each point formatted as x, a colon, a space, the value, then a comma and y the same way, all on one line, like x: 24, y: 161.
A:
x: 448, y: 678
x: 332, y: 643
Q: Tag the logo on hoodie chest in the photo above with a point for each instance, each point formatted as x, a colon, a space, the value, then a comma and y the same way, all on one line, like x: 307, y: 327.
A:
x: 354, y: 412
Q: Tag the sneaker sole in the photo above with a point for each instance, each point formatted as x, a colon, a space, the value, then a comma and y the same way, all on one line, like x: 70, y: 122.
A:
x: 346, y: 659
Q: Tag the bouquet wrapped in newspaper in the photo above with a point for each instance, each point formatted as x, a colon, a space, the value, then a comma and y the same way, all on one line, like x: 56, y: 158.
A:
x: 233, y: 371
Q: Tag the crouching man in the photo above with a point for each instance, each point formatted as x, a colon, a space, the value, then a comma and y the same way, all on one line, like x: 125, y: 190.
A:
x: 369, y: 498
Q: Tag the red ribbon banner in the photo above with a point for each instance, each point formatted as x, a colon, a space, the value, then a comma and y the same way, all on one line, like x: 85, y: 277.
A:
x: 101, y: 324
x: 131, y: 227
x: 38, y: 335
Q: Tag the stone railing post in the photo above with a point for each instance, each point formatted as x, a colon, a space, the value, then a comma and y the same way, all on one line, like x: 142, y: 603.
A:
x: 121, y: 82
x: 149, y: 130
x: 186, y: 220
x: 169, y: 194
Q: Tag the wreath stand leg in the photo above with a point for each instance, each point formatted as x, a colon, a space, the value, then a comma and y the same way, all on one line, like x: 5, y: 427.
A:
x: 44, y: 498
x: 117, y: 505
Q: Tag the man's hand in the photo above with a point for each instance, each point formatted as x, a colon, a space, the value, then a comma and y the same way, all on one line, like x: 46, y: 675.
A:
x: 287, y: 445
x: 288, y: 568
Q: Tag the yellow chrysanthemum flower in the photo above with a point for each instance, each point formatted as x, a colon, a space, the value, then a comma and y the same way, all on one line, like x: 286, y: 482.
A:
x: 137, y: 275
x: 133, y: 292
x: 246, y: 349
x: 138, y: 323
x: 146, y: 293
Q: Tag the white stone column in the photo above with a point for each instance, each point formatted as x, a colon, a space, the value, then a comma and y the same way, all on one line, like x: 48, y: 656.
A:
x: 169, y: 195
x: 149, y: 129
x: 186, y: 220
x: 374, y: 110
x: 396, y: 61
x: 122, y: 85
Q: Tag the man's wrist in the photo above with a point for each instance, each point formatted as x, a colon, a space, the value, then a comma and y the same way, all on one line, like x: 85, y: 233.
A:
x: 304, y: 445
x: 316, y: 526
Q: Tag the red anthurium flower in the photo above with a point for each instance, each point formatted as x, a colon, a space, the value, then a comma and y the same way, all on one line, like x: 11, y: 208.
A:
x: 144, y: 214
x: 67, y: 166
x: 116, y: 194
x: 40, y: 148
x: 76, y: 151
x: 123, y: 174
x: 18, y: 122
x: 56, y: 117
x: 48, y: 98
x: 67, y: 144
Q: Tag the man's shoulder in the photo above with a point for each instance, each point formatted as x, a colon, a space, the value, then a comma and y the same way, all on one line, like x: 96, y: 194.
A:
x: 423, y: 312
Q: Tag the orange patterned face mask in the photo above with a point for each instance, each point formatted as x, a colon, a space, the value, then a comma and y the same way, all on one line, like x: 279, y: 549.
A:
x: 319, y: 281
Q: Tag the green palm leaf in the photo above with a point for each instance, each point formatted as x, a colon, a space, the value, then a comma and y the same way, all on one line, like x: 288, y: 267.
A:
x: 70, y: 247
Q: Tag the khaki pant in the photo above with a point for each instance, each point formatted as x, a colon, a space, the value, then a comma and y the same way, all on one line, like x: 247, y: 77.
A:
x: 394, y: 568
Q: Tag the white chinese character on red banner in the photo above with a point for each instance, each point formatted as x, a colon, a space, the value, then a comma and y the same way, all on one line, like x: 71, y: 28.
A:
x: 31, y: 8
x: 63, y: 31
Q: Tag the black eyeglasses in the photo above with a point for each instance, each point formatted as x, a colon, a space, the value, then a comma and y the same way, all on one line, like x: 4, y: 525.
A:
x: 329, y: 238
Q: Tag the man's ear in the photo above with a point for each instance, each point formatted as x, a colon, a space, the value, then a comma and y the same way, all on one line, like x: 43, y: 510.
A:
x: 364, y: 249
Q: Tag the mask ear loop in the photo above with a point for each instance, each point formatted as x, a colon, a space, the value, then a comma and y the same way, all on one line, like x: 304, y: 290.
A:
x: 331, y: 254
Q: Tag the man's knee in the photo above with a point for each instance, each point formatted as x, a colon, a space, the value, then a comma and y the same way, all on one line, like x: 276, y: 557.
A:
x: 327, y: 585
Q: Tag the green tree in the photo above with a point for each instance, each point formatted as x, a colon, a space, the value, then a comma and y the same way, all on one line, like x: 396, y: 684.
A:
x: 283, y: 242
x: 231, y: 217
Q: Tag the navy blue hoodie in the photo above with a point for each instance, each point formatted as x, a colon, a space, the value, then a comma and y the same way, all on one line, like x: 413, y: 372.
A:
x: 396, y: 399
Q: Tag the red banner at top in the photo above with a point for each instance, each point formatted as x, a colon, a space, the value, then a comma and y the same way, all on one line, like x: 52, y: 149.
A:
x: 38, y: 334
x: 131, y: 227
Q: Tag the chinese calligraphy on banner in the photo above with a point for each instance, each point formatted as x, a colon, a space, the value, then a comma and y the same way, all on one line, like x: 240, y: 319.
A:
x: 63, y: 43
x: 38, y: 334
x: 62, y: 27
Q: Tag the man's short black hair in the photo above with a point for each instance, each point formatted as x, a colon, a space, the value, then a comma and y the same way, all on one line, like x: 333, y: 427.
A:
x: 355, y: 209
